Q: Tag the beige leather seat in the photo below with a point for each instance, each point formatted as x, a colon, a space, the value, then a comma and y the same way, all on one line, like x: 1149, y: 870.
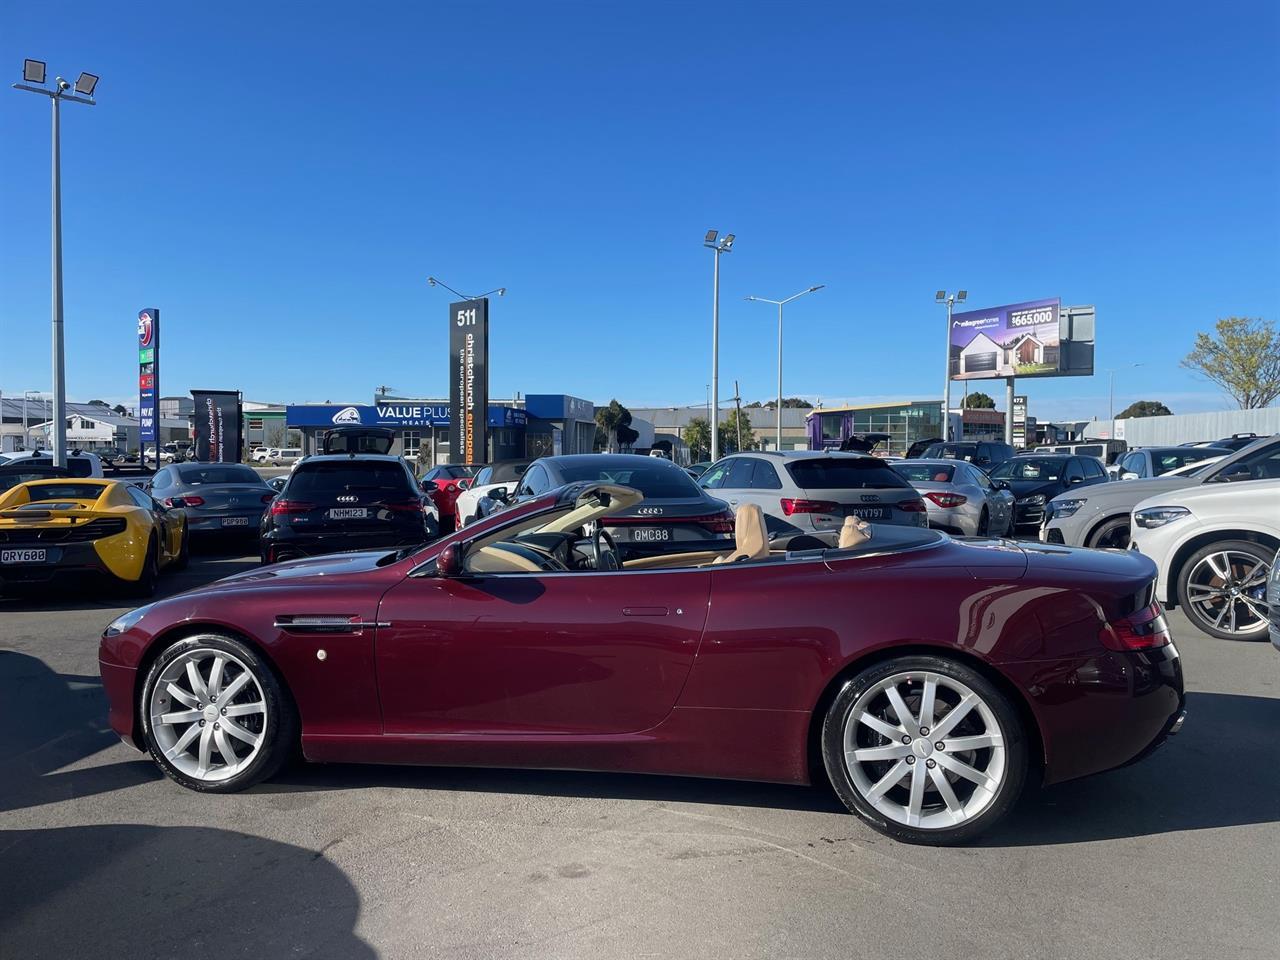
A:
x: 854, y: 533
x: 750, y: 536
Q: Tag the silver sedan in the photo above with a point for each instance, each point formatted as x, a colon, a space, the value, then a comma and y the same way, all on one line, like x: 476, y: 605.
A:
x: 960, y: 498
x: 216, y: 497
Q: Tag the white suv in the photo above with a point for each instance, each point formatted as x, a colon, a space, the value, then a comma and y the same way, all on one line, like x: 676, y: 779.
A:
x: 1214, y: 544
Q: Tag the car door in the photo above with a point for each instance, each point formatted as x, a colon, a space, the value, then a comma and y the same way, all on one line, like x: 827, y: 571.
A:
x: 735, y: 486
x: 582, y: 652
x: 535, y: 482
x: 999, y: 502
x: 166, y: 524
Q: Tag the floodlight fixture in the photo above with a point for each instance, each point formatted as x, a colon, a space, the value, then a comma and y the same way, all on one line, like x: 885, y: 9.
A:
x: 711, y: 236
x: 33, y: 71
x: 940, y: 296
x: 85, y: 84
x: 728, y: 241
x: 961, y: 295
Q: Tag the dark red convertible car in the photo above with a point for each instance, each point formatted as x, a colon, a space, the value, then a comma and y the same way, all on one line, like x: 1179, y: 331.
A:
x: 927, y: 677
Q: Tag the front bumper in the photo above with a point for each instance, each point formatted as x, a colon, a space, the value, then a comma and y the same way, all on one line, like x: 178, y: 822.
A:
x: 1028, y: 514
x: 119, y: 684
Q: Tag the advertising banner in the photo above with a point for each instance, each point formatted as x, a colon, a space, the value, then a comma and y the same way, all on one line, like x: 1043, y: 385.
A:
x: 149, y: 375
x: 216, y: 426
x: 469, y: 381
x: 1016, y: 340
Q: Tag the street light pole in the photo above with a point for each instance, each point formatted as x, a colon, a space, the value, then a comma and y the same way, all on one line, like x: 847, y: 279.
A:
x: 718, y: 247
x: 949, y: 300
x: 1111, y: 402
x: 780, y: 304
x: 33, y: 73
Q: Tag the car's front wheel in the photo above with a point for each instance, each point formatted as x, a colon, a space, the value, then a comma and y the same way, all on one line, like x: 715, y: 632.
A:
x: 215, y: 716
x: 1222, y: 588
x: 925, y: 750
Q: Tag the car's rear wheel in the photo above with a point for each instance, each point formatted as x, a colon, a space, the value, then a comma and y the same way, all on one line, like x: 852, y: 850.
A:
x: 215, y: 716
x: 145, y: 585
x: 984, y: 523
x: 925, y: 750
x: 1222, y: 589
x: 1114, y: 534
x: 184, y: 551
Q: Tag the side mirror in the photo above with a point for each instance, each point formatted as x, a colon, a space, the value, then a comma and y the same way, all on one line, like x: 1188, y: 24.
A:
x: 499, y: 494
x: 449, y: 562
x: 1074, y: 480
x: 177, y: 503
x: 1128, y: 476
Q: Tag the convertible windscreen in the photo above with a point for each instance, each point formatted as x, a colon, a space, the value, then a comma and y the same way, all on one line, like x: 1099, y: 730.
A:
x: 656, y: 483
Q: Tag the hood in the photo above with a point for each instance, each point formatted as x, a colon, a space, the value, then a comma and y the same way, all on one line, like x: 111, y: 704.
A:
x: 291, y: 571
x: 1027, y: 488
x: 1131, y: 490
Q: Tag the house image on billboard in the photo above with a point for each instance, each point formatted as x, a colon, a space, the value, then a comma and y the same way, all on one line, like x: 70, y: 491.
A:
x: 1024, y: 348
x: 984, y: 357
x: 981, y: 355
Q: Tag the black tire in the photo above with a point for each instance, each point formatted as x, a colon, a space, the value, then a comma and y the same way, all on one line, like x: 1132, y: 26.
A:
x: 1006, y: 715
x: 183, y: 558
x: 1114, y: 534
x: 279, y: 729
x: 984, y: 523
x: 1203, y: 620
x: 145, y: 585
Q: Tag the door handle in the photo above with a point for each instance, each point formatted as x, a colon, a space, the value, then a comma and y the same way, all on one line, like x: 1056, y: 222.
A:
x: 644, y: 611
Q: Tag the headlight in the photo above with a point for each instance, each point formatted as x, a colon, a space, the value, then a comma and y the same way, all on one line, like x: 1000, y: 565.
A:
x: 1158, y: 516
x: 1065, y: 508
x: 126, y: 622
x: 1035, y: 500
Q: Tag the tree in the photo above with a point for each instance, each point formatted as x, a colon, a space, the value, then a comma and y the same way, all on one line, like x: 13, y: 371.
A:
x: 99, y: 403
x: 275, y: 435
x: 697, y: 435
x: 1243, y: 358
x: 979, y: 401
x: 1144, y: 408
x: 788, y: 403
x: 729, y: 433
x: 121, y: 409
x: 615, y: 421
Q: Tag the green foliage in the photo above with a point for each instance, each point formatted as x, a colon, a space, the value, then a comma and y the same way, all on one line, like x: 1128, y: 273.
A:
x: 979, y: 401
x: 1242, y: 357
x: 788, y: 403
x: 615, y: 422
x: 729, y: 433
x: 1144, y: 408
x: 697, y: 435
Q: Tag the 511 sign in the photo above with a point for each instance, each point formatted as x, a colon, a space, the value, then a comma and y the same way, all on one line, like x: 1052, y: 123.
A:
x: 469, y: 381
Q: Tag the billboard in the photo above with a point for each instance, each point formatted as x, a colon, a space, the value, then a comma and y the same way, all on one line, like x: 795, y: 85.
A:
x: 149, y: 375
x: 216, y: 426
x: 469, y: 381
x: 1015, y: 340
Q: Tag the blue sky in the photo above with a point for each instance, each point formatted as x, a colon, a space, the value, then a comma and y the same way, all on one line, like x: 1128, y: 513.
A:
x: 280, y: 179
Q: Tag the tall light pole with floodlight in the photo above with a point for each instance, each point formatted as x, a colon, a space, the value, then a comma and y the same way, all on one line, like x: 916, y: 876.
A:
x: 780, y: 304
x: 950, y: 300
x: 1111, y: 404
x: 718, y: 246
x: 33, y: 76
x: 434, y: 282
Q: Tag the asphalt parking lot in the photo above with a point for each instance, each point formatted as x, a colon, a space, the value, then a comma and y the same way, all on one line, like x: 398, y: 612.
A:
x: 101, y: 857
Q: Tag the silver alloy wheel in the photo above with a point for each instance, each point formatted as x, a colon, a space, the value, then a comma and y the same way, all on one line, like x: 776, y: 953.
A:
x: 1227, y: 589
x: 925, y: 750
x: 208, y: 714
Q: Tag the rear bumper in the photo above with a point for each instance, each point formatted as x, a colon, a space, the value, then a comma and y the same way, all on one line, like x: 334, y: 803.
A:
x: 214, y: 522
x: 65, y: 561
x: 1103, y: 711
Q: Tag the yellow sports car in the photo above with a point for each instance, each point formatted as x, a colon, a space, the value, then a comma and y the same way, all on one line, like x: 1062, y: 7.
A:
x: 51, y: 528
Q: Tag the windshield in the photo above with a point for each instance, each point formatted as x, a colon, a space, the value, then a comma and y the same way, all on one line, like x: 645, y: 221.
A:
x: 1030, y: 468
x: 952, y: 451
x: 660, y: 480
x: 1166, y: 460
x: 843, y: 473
x: 230, y: 473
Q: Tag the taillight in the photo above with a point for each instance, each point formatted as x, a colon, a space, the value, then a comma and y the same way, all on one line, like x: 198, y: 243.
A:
x: 791, y: 507
x: 1144, y: 630
x: 186, y: 501
x: 719, y: 523
x: 408, y: 506
x: 279, y: 506
x: 947, y: 500
x: 268, y: 497
x: 915, y: 506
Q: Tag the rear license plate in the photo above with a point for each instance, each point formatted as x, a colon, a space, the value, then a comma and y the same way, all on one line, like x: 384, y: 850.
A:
x: 867, y: 513
x: 349, y: 513
x: 23, y: 556
x: 235, y: 521
x: 650, y: 534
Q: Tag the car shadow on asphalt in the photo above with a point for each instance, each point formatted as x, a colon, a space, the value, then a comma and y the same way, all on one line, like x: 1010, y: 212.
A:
x: 125, y: 890
x: 556, y: 783
x: 1208, y: 776
x: 49, y: 721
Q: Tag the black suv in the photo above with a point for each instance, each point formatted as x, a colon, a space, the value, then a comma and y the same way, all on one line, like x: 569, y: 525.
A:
x: 347, y: 502
x: 986, y: 454
x: 1036, y: 478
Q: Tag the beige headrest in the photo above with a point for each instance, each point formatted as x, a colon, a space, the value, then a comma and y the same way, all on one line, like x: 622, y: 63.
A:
x: 854, y: 532
x: 750, y: 535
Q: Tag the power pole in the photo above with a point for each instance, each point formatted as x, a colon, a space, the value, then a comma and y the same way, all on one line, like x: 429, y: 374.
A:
x: 737, y: 403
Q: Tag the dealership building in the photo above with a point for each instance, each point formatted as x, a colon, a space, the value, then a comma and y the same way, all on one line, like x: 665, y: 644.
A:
x: 26, y: 424
x: 906, y: 422
x: 532, y: 426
